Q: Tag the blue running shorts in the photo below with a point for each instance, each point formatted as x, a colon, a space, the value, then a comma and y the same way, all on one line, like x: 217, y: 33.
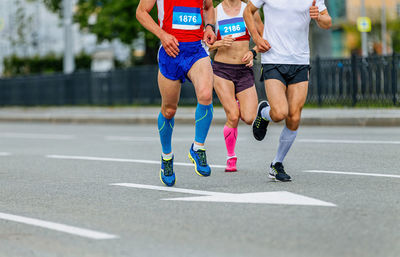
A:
x: 178, y: 68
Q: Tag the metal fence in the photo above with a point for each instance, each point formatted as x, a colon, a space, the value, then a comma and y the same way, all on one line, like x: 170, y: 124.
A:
x: 372, y: 81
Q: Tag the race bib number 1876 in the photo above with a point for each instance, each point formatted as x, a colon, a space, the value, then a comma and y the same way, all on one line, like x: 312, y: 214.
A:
x: 186, y: 18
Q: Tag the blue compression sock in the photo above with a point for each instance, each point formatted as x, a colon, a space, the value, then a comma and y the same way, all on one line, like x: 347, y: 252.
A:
x: 203, y: 116
x: 165, y: 128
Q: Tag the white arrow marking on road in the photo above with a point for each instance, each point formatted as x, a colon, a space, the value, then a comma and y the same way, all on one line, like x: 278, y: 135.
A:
x: 57, y: 227
x: 352, y: 173
x: 280, y: 197
x: 88, y: 158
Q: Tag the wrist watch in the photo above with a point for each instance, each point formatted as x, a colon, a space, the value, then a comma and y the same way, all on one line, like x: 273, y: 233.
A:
x: 254, y: 54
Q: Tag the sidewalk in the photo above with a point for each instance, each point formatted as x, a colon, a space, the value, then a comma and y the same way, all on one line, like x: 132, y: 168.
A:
x: 148, y: 115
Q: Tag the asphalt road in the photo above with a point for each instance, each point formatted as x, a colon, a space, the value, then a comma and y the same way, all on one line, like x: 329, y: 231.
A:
x: 93, y: 190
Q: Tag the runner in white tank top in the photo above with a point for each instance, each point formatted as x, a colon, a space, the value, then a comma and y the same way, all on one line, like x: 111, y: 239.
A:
x: 233, y: 74
x: 285, y: 61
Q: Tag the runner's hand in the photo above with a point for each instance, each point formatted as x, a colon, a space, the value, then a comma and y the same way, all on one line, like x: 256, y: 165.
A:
x: 314, y: 11
x: 209, y: 36
x: 262, y: 44
x: 248, y: 58
x: 170, y: 44
x: 227, y: 41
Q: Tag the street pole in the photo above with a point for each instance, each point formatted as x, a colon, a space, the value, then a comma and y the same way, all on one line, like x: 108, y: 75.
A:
x: 69, y: 62
x: 364, y: 35
x: 384, y: 29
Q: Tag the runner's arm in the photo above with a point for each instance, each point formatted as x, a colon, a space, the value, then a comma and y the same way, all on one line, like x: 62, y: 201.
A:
x: 169, y: 42
x: 225, y: 42
x: 248, y: 15
x: 260, y: 27
x: 209, y: 18
x: 323, y: 18
x: 324, y: 21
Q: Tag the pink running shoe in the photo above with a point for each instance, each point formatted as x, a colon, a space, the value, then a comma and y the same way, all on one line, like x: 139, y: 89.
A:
x: 231, y: 164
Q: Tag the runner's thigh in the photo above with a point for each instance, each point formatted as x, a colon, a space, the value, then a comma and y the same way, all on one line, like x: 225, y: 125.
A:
x: 201, y: 74
x: 297, y: 96
x: 170, y: 91
x: 248, y: 100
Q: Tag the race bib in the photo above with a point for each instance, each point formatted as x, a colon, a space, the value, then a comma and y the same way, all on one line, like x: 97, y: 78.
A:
x: 234, y: 27
x: 186, y: 18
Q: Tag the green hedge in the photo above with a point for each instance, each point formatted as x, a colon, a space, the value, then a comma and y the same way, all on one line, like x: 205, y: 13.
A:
x: 51, y: 63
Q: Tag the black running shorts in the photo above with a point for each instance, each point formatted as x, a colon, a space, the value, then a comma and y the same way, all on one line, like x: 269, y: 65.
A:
x: 288, y: 74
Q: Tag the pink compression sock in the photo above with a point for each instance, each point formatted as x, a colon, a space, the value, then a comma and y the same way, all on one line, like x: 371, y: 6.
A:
x: 230, y: 135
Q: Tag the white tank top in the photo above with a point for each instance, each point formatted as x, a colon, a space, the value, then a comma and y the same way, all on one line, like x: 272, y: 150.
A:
x: 227, y: 25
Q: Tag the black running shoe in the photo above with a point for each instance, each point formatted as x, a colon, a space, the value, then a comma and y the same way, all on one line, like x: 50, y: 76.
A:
x: 260, y: 124
x: 277, y: 172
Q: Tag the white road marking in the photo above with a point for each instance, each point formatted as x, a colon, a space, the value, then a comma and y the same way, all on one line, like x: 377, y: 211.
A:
x: 4, y: 154
x: 88, y: 158
x: 283, y: 197
x: 157, y: 139
x: 36, y: 136
x: 57, y: 227
x: 340, y: 141
x: 352, y: 173
x: 168, y: 189
x: 280, y: 197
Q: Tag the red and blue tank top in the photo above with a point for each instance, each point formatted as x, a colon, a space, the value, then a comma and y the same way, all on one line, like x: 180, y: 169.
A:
x: 182, y: 19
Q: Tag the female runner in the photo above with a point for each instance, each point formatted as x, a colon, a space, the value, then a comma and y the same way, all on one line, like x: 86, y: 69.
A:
x: 233, y: 74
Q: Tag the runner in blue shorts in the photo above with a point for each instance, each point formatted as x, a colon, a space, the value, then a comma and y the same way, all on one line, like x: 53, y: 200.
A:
x: 181, y: 56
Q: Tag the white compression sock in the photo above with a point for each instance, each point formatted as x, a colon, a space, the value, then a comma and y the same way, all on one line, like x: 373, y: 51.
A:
x: 197, y: 147
x: 167, y: 156
x: 285, y: 142
x: 265, y: 113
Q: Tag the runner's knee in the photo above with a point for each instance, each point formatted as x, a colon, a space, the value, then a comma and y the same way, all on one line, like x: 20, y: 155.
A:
x: 293, y: 121
x: 278, y: 115
x: 233, y: 117
x: 248, y: 118
x: 169, y: 111
x: 204, y: 97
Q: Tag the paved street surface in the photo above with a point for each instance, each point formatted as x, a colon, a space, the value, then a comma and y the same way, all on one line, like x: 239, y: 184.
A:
x: 94, y: 190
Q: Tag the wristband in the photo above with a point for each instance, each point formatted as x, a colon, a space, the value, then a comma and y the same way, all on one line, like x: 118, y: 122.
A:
x: 254, y: 54
x: 212, y: 26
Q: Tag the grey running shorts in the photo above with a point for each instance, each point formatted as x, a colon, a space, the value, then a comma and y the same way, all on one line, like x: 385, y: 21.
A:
x: 241, y: 76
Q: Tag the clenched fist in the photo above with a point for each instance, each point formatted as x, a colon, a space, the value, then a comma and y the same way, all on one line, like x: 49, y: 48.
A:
x: 314, y: 11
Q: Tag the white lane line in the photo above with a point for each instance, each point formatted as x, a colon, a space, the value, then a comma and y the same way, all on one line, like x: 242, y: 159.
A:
x: 36, y: 136
x: 332, y: 141
x: 89, y: 158
x: 168, y: 189
x: 57, y: 227
x: 4, y: 154
x: 157, y: 139
x: 352, y: 173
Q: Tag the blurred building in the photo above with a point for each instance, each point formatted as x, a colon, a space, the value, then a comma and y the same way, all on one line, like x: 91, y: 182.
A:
x: 28, y: 28
x: 343, y: 39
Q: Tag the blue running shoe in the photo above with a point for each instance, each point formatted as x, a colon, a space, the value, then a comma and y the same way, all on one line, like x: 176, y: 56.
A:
x: 167, y: 174
x: 199, y: 159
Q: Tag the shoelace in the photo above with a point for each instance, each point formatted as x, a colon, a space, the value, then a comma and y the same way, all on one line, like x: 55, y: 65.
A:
x: 279, y: 168
x: 258, y: 121
x: 202, y: 157
x: 167, y: 167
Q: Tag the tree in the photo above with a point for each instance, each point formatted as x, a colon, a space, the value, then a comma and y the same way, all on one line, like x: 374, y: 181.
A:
x: 111, y: 19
